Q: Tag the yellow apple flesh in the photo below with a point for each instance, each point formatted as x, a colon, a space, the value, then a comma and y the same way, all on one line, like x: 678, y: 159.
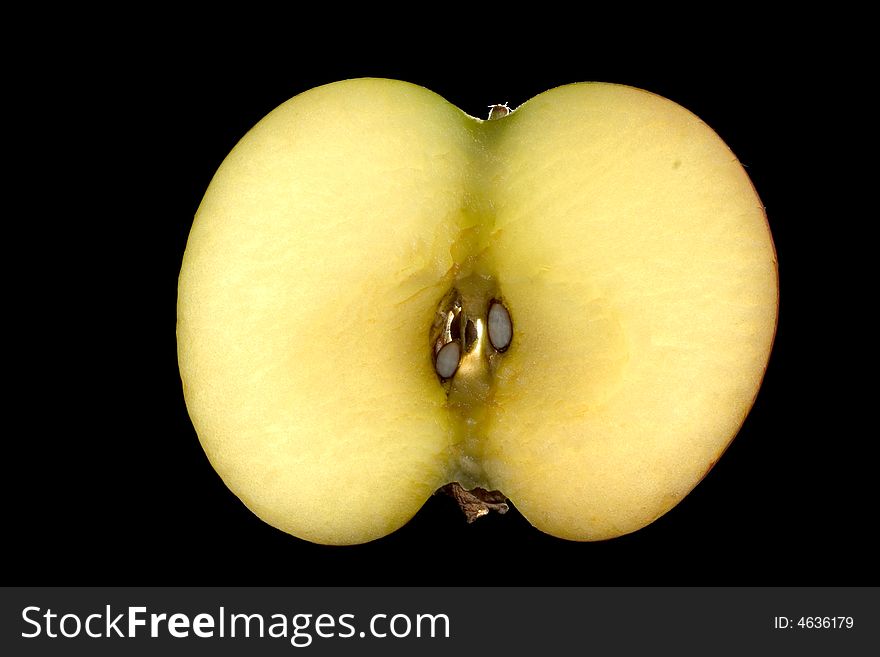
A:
x: 621, y: 234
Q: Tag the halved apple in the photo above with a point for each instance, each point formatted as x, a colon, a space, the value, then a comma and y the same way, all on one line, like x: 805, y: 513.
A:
x: 573, y: 304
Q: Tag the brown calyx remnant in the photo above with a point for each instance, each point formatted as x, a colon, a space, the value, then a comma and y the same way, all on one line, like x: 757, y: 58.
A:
x: 477, y: 502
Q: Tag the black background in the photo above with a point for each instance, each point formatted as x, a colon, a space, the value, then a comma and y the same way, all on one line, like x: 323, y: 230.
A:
x: 106, y: 480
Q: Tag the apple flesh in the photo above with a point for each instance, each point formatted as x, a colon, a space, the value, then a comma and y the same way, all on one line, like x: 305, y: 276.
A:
x: 617, y: 231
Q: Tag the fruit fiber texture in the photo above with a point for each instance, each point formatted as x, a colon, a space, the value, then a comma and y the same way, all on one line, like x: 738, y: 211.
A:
x: 621, y: 233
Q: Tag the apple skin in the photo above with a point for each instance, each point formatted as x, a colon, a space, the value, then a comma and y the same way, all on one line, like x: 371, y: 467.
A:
x: 625, y: 239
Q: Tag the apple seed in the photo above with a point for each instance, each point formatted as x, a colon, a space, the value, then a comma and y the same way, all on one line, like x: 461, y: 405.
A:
x: 470, y: 335
x: 500, y: 327
x: 448, y: 359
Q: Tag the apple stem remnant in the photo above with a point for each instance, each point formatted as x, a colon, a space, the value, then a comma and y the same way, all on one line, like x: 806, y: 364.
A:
x: 498, y: 111
x: 477, y: 502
